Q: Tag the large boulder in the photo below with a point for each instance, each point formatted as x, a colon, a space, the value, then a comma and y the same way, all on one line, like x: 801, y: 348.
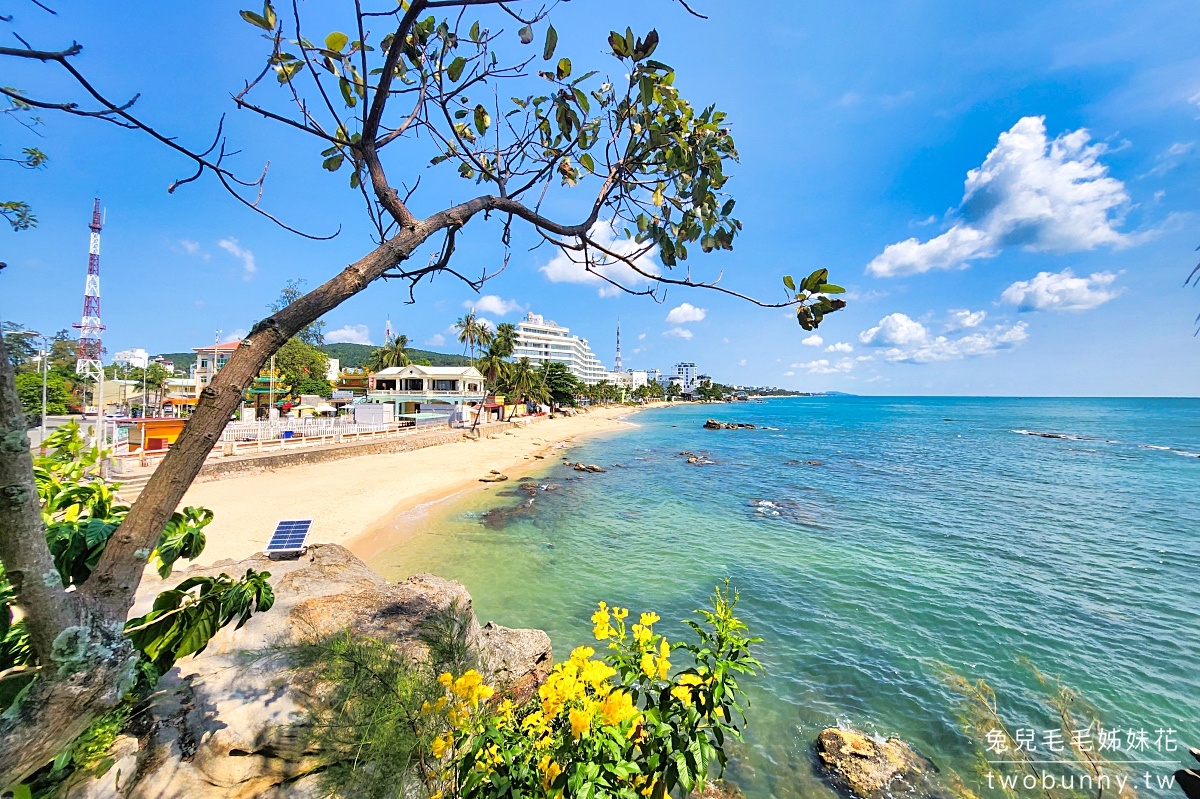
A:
x: 871, y: 768
x: 229, y: 723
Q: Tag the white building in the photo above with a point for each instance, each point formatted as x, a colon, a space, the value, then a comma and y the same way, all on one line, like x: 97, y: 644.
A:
x: 543, y: 341
x: 686, y: 371
x: 418, y: 389
x: 134, y: 359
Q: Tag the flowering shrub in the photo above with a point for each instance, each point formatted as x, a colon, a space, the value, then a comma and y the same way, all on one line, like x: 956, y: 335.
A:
x: 617, y: 726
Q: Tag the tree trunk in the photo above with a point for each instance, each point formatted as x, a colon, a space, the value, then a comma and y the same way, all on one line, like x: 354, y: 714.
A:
x: 87, y: 661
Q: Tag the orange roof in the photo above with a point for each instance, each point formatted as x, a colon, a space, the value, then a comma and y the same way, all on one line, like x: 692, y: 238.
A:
x: 228, y: 346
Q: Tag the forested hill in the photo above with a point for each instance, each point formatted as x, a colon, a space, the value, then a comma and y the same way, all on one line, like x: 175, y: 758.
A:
x: 359, y: 354
x: 347, y: 354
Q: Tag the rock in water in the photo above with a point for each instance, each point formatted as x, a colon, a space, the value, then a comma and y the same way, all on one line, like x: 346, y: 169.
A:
x: 227, y: 723
x: 872, y: 769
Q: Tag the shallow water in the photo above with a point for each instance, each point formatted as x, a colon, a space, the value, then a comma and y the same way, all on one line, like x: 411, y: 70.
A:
x: 900, y: 534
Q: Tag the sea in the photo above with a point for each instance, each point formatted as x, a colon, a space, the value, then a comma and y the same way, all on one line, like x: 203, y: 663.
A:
x: 879, y: 546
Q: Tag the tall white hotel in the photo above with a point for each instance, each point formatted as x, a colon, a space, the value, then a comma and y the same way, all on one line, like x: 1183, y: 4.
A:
x: 540, y: 341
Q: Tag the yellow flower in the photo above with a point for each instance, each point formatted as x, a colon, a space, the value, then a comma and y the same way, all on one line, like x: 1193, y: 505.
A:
x: 620, y: 613
x: 596, y: 674
x: 648, y: 619
x: 441, y: 744
x: 601, y: 627
x: 581, y: 654
x: 641, y: 634
x: 648, y: 664
x: 580, y: 720
x: 664, y: 665
x: 616, y: 708
x: 550, y: 771
x: 446, y: 679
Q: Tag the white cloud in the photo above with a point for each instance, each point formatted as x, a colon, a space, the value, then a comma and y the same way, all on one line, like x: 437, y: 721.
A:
x: 841, y: 346
x: 436, y: 340
x: 789, y: 374
x: 641, y: 336
x: 1061, y: 291
x: 236, y: 335
x: 742, y: 362
x: 493, y: 304
x: 1043, y: 195
x: 230, y: 245
x: 1170, y: 158
x: 682, y: 314
x: 965, y: 318
x: 561, y: 269
x: 350, y: 334
x: 678, y: 332
x: 194, y: 248
x: 812, y: 341
x: 823, y: 366
x: 902, y: 339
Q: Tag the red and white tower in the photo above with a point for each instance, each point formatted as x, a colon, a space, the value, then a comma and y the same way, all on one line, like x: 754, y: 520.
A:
x: 87, y: 358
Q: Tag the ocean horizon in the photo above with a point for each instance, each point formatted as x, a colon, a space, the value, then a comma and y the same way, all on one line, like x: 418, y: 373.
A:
x: 877, y: 542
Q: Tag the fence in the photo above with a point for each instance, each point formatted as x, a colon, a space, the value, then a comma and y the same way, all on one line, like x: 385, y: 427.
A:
x: 244, y: 438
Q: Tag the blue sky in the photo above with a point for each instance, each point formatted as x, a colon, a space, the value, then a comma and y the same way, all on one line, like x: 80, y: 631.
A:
x: 1055, y: 268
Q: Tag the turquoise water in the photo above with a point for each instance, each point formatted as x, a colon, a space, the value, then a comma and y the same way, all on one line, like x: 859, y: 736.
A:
x: 923, y: 532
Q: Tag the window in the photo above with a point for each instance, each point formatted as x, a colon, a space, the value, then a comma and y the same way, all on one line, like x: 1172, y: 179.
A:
x: 411, y: 384
x: 445, y: 385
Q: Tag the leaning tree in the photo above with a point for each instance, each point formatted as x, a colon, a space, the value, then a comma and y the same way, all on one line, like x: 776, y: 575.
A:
x: 457, y: 90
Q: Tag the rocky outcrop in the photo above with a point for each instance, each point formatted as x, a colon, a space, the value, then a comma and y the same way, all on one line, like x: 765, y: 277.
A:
x: 229, y: 723
x: 713, y: 424
x: 873, y: 769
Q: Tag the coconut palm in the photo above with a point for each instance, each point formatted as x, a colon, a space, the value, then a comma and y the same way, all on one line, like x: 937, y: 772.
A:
x: 504, y: 340
x: 522, y: 381
x: 493, y: 366
x: 473, y: 333
x: 392, y: 353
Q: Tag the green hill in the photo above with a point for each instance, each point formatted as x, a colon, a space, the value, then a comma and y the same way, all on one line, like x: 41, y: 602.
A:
x: 352, y: 355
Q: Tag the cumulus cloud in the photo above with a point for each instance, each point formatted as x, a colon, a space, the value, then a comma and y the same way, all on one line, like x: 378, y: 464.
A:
x: 840, y: 346
x: 350, y: 334
x: 682, y: 314
x: 965, y: 318
x: 1061, y: 291
x: 902, y: 339
x: 493, y: 304
x: 824, y: 366
x: 561, y: 269
x: 1032, y: 192
x: 678, y: 332
x: 812, y: 341
x: 231, y: 246
x: 436, y: 340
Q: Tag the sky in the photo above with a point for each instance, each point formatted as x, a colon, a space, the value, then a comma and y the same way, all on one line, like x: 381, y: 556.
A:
x: 1008, y: 192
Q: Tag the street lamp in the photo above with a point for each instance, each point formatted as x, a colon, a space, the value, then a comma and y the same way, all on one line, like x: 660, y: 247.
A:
x: 44, y: 353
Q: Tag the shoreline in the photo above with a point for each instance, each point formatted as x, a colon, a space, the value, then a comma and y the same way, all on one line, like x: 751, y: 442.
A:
x: 370, y: 503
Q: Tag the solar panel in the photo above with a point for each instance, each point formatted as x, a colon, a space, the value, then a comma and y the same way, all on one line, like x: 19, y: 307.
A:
x: 289, y: 536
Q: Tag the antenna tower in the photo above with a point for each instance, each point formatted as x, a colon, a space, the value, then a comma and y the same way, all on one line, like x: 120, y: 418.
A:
x: 617, y: 364
x: 87, y: 357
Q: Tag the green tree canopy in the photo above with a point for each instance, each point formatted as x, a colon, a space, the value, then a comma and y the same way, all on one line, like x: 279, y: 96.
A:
x: 303, y: 369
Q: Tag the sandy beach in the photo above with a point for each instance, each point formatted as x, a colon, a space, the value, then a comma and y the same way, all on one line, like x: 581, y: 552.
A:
x: 361, y: 502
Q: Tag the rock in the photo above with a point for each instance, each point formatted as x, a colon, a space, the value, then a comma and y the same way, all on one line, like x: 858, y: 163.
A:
x: 228, y: 723
x: 591, y: 467
x: 713, y: 424
x: 872, y: 769
x: 494, y: 478
x: 719, y: 789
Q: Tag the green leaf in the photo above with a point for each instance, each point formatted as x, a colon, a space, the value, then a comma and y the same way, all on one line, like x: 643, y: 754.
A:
x: 336, y: 41
x: 619, y: 47
x: 482, y: 120
x: 269, y: 14
x: 526, y: 34
x: 551, y: 43
x: 474, y: 32
x: 588, y: 162
x: 564, y: 68
x: 255, y: 19
x: 333, y: 163
x: 455, y: 70
x: 787, y: 281
x: 347, y: 92
x: 830, y: 288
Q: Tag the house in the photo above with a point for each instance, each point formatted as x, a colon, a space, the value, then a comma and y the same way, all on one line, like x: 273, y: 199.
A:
x: 210, y: 359
x: 417, y: 389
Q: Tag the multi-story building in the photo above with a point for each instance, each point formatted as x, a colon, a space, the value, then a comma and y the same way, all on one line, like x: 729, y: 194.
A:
x: 544, y: 341
x: 134, y: 358
x: 686, y: 371
x: 209, y: 361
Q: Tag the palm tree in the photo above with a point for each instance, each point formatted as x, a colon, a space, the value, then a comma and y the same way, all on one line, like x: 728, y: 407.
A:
x: 392, y: 353
x: 492, y: 365
x: 504, y: 340
x: 473, y: 332
x: 522, y: 381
